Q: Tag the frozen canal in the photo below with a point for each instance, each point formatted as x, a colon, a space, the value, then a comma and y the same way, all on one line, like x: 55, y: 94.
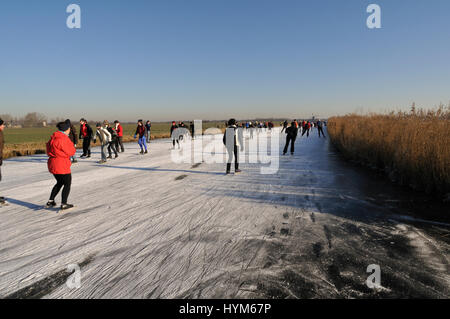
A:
x: 145, y: 227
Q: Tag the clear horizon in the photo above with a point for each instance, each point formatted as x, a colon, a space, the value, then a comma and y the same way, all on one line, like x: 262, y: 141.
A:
x: 213, y: 60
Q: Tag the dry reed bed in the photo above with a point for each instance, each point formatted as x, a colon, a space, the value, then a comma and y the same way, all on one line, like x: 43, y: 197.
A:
x: 413, y: 148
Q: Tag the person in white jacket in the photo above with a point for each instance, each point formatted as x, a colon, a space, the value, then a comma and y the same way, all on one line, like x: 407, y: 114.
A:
x: 233, y: 141
x: 105, y: 138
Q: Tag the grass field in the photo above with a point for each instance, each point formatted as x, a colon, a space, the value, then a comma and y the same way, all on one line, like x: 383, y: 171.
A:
x: 29, y: 141
x: 413, y: 148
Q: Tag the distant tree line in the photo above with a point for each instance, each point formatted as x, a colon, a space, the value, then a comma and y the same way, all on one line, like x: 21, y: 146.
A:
x: 33, y: 119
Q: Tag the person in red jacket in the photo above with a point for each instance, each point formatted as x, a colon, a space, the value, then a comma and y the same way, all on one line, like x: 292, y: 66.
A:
x: 60, y: 149
x: 119, y: 141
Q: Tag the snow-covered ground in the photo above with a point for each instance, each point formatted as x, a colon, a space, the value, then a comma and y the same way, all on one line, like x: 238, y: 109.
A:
x: 146, y: 227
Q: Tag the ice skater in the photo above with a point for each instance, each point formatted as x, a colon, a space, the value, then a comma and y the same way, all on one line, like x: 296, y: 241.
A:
x: 291, y: 136
x: 173, y: 134
x: 60, y: 149
x: 119, y: 140
x: 105, y: 138
x: 112, y: 143
x: 285, y: 125
x: 320, y: 128
x: 140, y: 131
x: 231, y: 140
x: 306, y: 129
x: 148, y: 129
x: 86, y: 134
x: 73, y: 137
x: 2, y: 144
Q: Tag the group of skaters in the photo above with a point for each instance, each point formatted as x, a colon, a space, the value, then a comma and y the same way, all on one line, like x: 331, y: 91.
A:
x: 296, y: 128
x: 109, y: 136
x: 179, y: 132
x: 61, y: 147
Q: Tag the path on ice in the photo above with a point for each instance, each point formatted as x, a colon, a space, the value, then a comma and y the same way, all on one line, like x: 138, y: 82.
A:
x: 145, y: 227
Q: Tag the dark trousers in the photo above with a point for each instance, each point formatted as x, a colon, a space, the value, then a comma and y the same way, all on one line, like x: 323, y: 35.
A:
x: 119, y: 143
x: 230, y: 157
x: 178, y: 142
x: 305, y: 131
x: 291, y: 140
x: 86, y: 146
x: 112, y: 146
x: 320, y: 129
x: 62, y: 180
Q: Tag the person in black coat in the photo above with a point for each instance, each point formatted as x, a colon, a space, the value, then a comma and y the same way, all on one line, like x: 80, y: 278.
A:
x: 291, y: 136
x: 173, y: 135
x: 2, y: 144
x: 73, y: 137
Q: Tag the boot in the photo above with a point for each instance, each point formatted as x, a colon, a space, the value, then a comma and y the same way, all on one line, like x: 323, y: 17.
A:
x: 50, y: 203
x: 66, y: 206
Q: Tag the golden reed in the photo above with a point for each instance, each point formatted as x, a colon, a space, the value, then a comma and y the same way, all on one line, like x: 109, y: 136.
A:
x: 413, y: 148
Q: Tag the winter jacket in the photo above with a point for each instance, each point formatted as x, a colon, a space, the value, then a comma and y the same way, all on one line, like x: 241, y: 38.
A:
x: 103, y: 135
x: 60, y: 149
x: 119, y: 130
x: 140, y: 130
x: 232, y: 132
x: 173, y: 128
x: 85, y: 131
x: 113, y: 133
x: 292, y: 132
x: 2, y: 144
x: 73, y: 135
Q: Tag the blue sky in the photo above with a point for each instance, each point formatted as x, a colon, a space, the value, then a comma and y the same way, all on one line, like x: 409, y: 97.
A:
x: 215, y: 59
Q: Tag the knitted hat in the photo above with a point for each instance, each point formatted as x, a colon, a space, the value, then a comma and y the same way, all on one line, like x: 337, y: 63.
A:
x: 63, y: 126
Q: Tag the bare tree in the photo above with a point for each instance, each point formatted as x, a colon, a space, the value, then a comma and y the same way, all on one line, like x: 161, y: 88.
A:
x: 6, y: 118
x: 34, y: 120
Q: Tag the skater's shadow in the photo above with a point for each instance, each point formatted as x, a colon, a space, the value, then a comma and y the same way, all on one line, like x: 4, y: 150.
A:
x: 25, y: 204
x: 30, y: 159
x: 157, y: 169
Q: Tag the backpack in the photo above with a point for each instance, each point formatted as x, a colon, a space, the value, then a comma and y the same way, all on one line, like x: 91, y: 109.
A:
x: 112, y: 132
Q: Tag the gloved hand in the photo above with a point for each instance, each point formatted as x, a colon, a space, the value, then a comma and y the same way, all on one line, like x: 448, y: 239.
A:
x: 95, y: 141
x: 134, y: 135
